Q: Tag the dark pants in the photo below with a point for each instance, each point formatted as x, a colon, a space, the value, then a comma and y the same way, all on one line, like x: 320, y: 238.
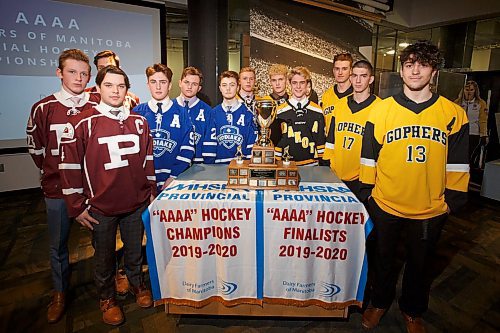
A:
x: 354, y: 186
x: 59, y: 225
x: 419, y: 238
x: 104, y: 239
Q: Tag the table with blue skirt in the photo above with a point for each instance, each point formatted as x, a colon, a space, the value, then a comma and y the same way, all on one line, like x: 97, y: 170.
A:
x: 219, y: 251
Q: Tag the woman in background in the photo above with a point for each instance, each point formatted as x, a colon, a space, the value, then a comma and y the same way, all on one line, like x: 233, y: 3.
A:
x: 477, y: 112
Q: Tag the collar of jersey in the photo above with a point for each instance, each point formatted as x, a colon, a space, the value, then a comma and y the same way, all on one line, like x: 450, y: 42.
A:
x: 105, y: 108
x: 63, y: 96
x: 404, y: 101
x: 276, y: 97
x: 166, y: 105
x: 192, y: 102
x: 355, y: 106
x: 293, y: 103
x: 348, y: 92
x: 233, y: 107
x: 244, y: 99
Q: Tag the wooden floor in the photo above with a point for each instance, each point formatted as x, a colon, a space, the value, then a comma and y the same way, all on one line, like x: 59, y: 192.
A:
x: 465, y: 296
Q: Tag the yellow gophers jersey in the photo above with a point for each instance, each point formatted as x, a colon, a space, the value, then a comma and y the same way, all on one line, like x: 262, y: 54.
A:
x: 416, y: 156
x: 330, y: 99
x: 343, y: 143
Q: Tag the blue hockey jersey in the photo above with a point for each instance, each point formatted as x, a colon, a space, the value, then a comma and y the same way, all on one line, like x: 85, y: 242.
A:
x: 200, y: 114
x: 173, y: 138
x: 230, y: 128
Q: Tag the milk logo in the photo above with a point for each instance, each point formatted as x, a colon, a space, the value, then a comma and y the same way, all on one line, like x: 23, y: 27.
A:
x: 227, y: 288
x: 162, y: 142
x: 230, y: 136
x: 329, y: 289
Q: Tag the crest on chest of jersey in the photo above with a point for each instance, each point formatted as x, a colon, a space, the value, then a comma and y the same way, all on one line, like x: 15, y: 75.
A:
x: 68, y: 132
x: 162, y: 142
x: 230, y: 136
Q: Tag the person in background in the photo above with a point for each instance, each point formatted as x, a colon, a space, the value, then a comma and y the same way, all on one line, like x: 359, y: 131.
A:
x: 246, y: 92
x: 311, y: 93
x: 106, y: 58
x: 477, y: 112
x: 108, y: 180
x: 232, y: 125
x: 342, y: 67
x: 200, y: 112
x: 278, y: 79
x: 171, y: 127
x: 46, y: 123
x: 415, y: 171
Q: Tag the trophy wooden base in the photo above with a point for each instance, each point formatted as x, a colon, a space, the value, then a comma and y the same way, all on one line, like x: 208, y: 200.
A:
x: 263, y: 156
x: 277, y: 176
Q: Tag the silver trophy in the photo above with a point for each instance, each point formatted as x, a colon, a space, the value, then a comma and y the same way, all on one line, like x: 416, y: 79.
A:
x: 265, y: 110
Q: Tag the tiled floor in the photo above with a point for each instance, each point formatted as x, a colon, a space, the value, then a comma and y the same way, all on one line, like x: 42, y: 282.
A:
x: 465, y: 296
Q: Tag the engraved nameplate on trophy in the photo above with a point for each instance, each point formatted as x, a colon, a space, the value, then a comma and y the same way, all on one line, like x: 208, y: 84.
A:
x: 263, y: 170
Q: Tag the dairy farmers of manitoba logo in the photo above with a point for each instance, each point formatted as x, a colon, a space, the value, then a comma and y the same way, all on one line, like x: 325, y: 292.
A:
x: 329, y: 289
x: 162, y: 142
x: 230, y: 136
x: 227, y: 288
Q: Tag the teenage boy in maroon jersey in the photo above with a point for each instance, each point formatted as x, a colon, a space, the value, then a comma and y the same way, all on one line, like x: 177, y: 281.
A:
x: 45, y: 126
x: 108, y: 180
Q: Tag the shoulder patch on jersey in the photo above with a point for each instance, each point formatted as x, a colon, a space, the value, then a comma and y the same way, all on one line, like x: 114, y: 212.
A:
x: 283, y: 108
x: 315, y: 107
x: 69, y: 132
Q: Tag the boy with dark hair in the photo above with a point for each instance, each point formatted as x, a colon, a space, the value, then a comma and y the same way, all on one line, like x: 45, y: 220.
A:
x: 232, y: 125
x: 171, y: 126
x: 200, y: 112
x: 414, y: 167
x: 106, y: 58
x: 107, y: 176
x: 45, y: 126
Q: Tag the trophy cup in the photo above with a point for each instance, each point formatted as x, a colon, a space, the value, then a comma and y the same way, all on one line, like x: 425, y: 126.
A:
x: 263, y: 170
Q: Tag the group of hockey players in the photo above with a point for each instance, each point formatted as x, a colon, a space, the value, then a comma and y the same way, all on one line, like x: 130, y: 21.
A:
x: 104, y: 157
